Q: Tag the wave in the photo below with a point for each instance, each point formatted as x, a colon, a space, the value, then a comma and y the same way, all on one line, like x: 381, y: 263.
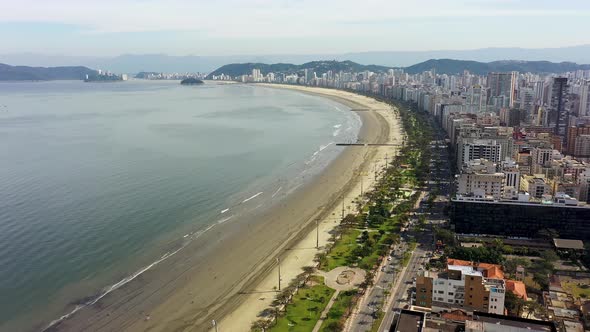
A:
x: 224, y: 220
x: 224, y: 211
x: 250, y: 198
x: 276, y: 192
x: 323, y: 147
x: 91, y: 300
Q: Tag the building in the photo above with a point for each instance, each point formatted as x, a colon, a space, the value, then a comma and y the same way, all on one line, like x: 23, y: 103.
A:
x: 581, y: 146
x: 565, y: 245
x: 481, y: 184
x: 559, y: 113
x: 520, y: 219
x: 535, y: 186
x: 572, y: 134
x: 478, y: 287
x: 488, y: 322
x: 510, y: 117
x: 584, y: 99
x: 502, y: 86
x: 409, y: 321
x: 469, y: 149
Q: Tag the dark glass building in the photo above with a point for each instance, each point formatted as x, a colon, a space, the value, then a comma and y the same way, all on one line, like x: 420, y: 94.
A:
x: 520, y: 219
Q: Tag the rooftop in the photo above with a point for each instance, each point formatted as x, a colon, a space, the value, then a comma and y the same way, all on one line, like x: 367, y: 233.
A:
x: 465, y: 270
x: 517, y: 287
x: 568, y: 244
x: 481, y: 318
x: 492, y: 271
x: 410, y: 321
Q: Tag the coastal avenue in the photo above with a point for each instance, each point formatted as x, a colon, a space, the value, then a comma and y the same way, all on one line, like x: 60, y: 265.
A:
x: 392, y: 278
x: 440, y: 176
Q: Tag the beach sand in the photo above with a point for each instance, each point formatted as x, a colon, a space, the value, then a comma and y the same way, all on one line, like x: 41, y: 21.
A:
x: 229, y: 274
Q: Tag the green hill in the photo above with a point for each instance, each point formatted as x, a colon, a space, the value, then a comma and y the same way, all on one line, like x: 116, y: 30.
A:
x: 24, y: 73
x: 320, y: 67
x: 450, y: 66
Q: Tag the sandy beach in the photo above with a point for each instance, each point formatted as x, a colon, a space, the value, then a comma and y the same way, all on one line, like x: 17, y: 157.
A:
x: 229, y: 274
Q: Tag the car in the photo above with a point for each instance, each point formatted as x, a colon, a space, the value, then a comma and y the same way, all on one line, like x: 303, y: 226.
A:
x: 389, y: 258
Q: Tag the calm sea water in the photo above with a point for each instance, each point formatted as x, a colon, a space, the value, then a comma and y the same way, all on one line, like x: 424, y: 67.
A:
x: 96, y: 180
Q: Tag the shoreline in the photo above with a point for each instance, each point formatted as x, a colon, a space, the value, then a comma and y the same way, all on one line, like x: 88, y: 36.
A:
x: 241, y: 318
x: 209, y: 279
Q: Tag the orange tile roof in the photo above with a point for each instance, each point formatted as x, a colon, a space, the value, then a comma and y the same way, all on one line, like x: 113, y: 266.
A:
x: 517, y: 287
x: 492, y: 271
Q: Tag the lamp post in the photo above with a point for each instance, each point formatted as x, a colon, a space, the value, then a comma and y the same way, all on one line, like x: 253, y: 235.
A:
x: 317, y: 233
x: 214, y: 324
x: 279, y: 265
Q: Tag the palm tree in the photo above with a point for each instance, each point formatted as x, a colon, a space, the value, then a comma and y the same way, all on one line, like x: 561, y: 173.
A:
x: 261, y: 324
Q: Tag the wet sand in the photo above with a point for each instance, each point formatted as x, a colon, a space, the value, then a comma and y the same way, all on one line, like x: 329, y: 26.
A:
x: 227, y: 271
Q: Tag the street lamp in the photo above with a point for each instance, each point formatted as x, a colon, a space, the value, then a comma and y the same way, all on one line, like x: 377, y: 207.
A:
x: 279, y: 265
x: 317, y: 233
x: 214, y: 324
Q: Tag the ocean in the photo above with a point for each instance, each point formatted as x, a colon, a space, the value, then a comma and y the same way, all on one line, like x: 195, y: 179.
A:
x: 101, y: 181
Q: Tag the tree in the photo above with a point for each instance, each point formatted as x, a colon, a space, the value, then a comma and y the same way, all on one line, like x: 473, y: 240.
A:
x: 261, y: 325
x: 334, y: 326
x: 513, y: 303
x: 533, y: 308
x: 542, y: 279
x: 549, y: 255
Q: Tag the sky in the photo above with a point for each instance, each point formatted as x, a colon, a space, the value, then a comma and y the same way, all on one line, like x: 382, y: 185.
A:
x: 239, y: 27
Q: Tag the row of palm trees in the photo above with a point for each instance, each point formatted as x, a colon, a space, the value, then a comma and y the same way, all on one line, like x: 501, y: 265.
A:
x: 282, y: 299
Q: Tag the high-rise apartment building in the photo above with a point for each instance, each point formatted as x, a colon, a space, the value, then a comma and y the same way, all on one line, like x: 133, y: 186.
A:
x: 502, y: 85
x: 558, y: 112
x: 572, y: 135
x: 585, y: 99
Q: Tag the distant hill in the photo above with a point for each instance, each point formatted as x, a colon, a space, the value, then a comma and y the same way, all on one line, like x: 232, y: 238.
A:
x: 449, y: 66
x: 23, y: 73
x: 320, y: 67
x: 134, y: 63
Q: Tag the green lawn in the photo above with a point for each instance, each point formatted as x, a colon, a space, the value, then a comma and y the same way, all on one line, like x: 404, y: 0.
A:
x: 305, y: 309
x: 337, y: 312
x: 341, y: 250
x: 576, y: 290
x: 406, y: 258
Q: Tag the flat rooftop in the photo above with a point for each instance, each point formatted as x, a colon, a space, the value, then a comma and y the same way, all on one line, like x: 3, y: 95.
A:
x: 568, y: 244
x: 465, y: 270
x: 410, y: 321
x: 508, y: 321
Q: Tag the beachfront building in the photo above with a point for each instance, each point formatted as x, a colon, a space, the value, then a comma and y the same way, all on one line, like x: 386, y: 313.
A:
x: 465, y: 285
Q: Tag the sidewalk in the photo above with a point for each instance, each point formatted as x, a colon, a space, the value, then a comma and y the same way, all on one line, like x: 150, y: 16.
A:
x: 324, y: 314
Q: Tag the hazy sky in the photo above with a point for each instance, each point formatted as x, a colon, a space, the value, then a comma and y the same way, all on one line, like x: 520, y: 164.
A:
x: 229, y: 27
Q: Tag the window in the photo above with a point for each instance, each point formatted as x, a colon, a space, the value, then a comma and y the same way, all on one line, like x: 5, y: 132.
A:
x: 451, y: 293
x: 441, y: 292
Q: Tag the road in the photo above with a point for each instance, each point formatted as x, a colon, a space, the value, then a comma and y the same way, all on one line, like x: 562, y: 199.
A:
x: 441, y: 182
x: 373, y: 301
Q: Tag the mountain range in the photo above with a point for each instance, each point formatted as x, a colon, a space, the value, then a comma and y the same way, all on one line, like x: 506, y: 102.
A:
x: 449, y: 66
x: 134, y: 63
x: 319, y: 67
x: 441, y: 66
x: 25, y: 73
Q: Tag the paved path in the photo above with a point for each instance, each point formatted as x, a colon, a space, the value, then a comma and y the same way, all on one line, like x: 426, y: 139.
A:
x: 344, y: 278
x: 324, y: 314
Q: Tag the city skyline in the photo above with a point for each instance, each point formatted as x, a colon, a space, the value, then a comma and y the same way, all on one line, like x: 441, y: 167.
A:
x: 232, y: 27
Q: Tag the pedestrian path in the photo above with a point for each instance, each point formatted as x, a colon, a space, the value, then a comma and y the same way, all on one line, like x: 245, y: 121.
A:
x: 324, y: 314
